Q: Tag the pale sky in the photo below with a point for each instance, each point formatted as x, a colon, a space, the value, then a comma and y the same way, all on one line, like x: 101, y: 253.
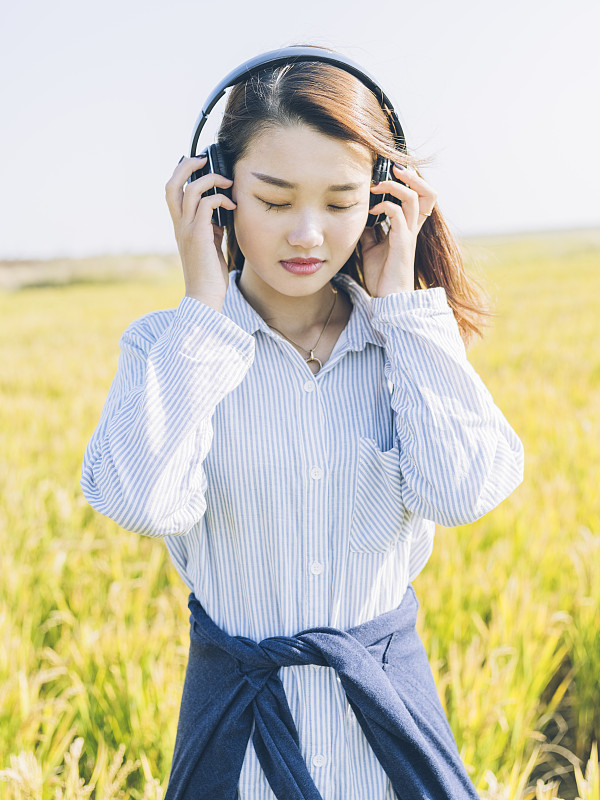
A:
x: 98, y: 101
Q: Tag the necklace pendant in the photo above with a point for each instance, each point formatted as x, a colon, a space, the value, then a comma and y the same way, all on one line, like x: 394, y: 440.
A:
x: 313, y: 358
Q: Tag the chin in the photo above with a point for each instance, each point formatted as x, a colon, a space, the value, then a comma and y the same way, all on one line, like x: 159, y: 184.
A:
x: 301, y: 285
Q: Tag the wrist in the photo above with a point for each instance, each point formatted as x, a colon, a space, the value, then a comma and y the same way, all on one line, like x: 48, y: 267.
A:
x: 396, y: 288
x: 213, y: 301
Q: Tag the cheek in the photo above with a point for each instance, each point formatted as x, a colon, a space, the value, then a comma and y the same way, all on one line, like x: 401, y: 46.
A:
x: 350, y: 229
x: 251, y: 231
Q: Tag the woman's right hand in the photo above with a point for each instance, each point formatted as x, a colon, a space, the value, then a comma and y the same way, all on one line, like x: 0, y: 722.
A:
x: 199, y: 241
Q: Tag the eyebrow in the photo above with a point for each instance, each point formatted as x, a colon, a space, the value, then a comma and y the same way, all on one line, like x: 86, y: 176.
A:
x: 338, y: 187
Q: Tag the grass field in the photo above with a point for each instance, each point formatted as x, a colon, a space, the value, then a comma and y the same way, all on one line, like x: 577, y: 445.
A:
x: 93, y: 619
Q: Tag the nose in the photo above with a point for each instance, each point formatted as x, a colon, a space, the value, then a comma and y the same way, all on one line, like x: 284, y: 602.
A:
x: 306, y: 231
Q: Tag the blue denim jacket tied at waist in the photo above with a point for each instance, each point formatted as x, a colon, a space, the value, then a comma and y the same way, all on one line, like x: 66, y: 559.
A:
x: 232, y: 683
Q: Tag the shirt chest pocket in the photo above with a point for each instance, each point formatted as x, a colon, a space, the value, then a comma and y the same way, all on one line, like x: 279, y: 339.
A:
x: 379, y: 518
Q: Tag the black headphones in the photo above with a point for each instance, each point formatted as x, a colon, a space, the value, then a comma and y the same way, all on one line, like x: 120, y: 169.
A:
x: 219, y: 163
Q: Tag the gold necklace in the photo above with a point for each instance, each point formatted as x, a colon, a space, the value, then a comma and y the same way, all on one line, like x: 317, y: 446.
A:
x: 311, y: 352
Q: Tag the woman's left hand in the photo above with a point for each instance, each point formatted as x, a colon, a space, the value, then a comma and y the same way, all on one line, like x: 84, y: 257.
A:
x: 389, y: 265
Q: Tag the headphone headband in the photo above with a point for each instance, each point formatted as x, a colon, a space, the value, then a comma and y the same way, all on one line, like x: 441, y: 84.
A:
x: 290, y: 55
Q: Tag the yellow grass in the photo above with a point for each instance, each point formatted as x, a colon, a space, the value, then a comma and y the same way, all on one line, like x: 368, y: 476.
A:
x: 93, y: 619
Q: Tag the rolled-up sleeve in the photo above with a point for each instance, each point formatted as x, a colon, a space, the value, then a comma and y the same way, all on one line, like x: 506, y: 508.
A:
x: 143, y: 464
x: 459, y: 457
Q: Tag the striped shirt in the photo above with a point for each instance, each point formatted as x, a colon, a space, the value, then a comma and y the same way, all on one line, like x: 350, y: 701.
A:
x: 290, y: 500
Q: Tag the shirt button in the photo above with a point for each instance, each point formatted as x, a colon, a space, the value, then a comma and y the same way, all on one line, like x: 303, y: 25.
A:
x: 316, y: 568
x: 319, y: 760
x: 309, y: 386
x: 316, y: 473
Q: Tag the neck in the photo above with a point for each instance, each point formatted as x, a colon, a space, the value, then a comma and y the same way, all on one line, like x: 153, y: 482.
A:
x: 295, y: 316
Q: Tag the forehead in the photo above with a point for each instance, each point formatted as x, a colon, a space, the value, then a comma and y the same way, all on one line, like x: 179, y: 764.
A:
x: 302, y: 155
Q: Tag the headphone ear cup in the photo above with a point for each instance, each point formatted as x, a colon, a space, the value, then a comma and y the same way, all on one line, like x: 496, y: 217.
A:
x: 221, y: 216
x: 216, y: 163
x: 382, y: 171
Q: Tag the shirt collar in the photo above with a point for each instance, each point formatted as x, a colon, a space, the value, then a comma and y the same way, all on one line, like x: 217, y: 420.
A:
x: 359, y: 331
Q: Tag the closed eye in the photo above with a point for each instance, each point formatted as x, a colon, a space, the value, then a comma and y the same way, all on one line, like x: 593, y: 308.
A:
x: 286, y: 205
x: 273, y: 205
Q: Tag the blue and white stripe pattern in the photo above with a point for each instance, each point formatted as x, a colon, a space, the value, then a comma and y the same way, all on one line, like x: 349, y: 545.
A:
x: 289, y: 500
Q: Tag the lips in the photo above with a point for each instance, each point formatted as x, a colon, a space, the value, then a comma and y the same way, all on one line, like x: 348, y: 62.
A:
x: 303, y: 260
x: 302, y: 266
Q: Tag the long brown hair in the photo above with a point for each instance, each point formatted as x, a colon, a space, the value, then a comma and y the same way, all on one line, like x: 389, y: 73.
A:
x: 337, y: 104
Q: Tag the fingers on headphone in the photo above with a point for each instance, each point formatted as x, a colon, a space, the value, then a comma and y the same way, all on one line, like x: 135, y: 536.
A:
x: 193, y: 202
x: 412, y: 180
x: 185, y: 167
x: 394, y: 194
x: 182, y: 173
x: 206, y: 182
x: 192, y: 192
x: 386, y: 207
x: 389, y: 187
x: 174, y: 188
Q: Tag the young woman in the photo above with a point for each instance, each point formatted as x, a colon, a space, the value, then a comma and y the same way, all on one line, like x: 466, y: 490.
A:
x: 293, y: 430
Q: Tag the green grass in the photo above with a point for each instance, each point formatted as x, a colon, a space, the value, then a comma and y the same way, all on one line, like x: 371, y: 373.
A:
x: 93, y: 619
